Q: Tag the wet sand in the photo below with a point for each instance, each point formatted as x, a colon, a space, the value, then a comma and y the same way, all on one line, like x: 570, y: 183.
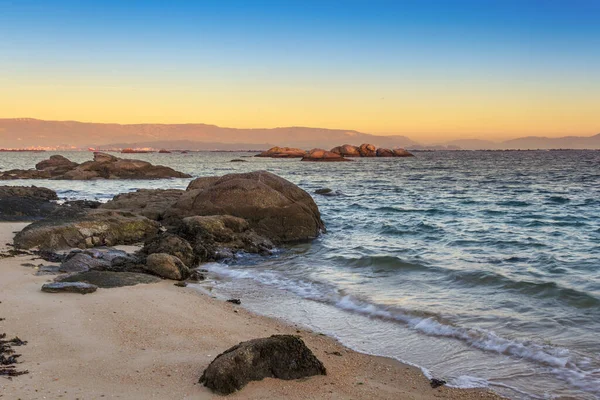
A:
x: 153, y: 342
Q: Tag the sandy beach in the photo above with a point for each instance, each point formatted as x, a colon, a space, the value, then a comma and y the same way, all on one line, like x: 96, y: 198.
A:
x: 154, y: 341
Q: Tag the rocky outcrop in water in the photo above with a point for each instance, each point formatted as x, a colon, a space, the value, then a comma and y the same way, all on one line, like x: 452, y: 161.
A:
x: 278, y: 356
x: 346, y: 150
x: 367, y: 150
x: 22, y: 203
x: 273, y: 207
x: 323, y: 155
x: 151, y: 203
x: 282, y: 152
x: 91, y: 229
x: 103, y: 166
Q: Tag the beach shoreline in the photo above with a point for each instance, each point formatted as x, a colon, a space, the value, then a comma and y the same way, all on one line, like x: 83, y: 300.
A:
x: 154, y: 341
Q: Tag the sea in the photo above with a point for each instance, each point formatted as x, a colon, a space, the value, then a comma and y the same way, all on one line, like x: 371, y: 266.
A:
x: 480, y: 267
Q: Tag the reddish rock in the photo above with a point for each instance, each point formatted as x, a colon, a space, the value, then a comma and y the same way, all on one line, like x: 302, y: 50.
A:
x: 367, y: 150
x: 323, y: 155
x: 381, y: 152
x: 56, y: 164
x: 283, y: 152
x: 402, y: 153
x: 346, y: 150
x: 164, y: 151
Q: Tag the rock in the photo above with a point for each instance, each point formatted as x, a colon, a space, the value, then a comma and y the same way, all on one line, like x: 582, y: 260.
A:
x: 164, y: 151
x: 346, y: 150
x: 82, y: 262
x: 56, y: 165
x: 167, y: 266
x: 323, y: 191
x: 238, y: 160
x: 282, y: 152
x: 436, y: 383
x: 235, y: 301
x: 402, y: 153
x: 279, y: 356
x: 381, y: 152
x: 323, y: 155
x: 69, y: 287
x: 273, y: 207
x: 151, y: 203
x: 367, y: 150
x: 170, y: 244
x: 109, y: 279
x: 104, y: 166
x: 22, y: 203
x: 217, y: 237
x: 108, y: 227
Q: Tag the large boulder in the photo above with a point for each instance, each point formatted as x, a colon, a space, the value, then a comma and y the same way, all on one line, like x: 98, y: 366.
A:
x: 167, y: 266
x: 382, y: 152
x: 91, y: 229
x: 282, y: 152
x: 279, y: 356
x: 22, y: 203
x: 274, y: 207
x: 323, y: 155
x: 367, y: 150
x: 170, y: 244
x: 216, y: 237
x: 402, y: 153
x: 151, y: 203
x: 346, y: 150
x: 83, y: 262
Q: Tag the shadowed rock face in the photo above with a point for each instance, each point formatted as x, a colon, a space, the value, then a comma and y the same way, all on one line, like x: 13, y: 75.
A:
x: 109, y: 279
x: 170, y: 244
x: 22, y: 203
x: 69, y: 287
x: 279, y: 356
x: 104, y: 166
x: 167, y: 266
x: 282, y: 152
x: 346, y: 150
x: 273, y: 207
x: 95, y: 228
x: 151, y: 203
x: 323, y: 155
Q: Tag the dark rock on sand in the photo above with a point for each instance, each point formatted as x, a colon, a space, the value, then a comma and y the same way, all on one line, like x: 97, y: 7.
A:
x: 151, y: 203
x: 216, y: 237
x: 238, y: 160
x: 436, y: 383
x: 234, y: 301
x: 23, y: 203
x: 69, y: 287
x: 170, y: 244
x: 273, y: 207
x: 278, y: 356
x: 109, y: 279
x: 282, y: 152
x: 167, y: 266
x: 323, y: 155
x: 95, y: 228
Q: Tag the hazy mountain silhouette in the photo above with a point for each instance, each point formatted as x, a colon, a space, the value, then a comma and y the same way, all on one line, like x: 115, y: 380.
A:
x: 24, y: 132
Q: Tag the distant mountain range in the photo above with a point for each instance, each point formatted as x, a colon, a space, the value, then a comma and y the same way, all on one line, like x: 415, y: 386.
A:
x: 28, y: 132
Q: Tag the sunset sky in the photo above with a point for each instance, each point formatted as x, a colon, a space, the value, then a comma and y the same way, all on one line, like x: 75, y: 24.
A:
x: 431, y: 70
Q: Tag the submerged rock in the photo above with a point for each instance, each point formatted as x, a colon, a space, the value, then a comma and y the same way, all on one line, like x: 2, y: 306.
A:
x: 109, y: 279
x: 282, y: 152
x: 323, y: 191
x: 278, y: 356
x: 95, y: 228
x: 273, y: 207
x: 69, y: 287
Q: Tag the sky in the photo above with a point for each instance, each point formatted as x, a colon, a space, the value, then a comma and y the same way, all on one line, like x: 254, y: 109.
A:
x: 434, y: 70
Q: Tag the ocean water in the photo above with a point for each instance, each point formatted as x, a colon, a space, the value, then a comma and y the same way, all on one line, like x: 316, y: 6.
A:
x: 482, y: 268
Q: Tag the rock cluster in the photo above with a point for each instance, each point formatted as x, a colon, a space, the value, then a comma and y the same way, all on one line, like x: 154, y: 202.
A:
x: 282, y: 152
x: 103, y: 166
x: 339, y: 153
